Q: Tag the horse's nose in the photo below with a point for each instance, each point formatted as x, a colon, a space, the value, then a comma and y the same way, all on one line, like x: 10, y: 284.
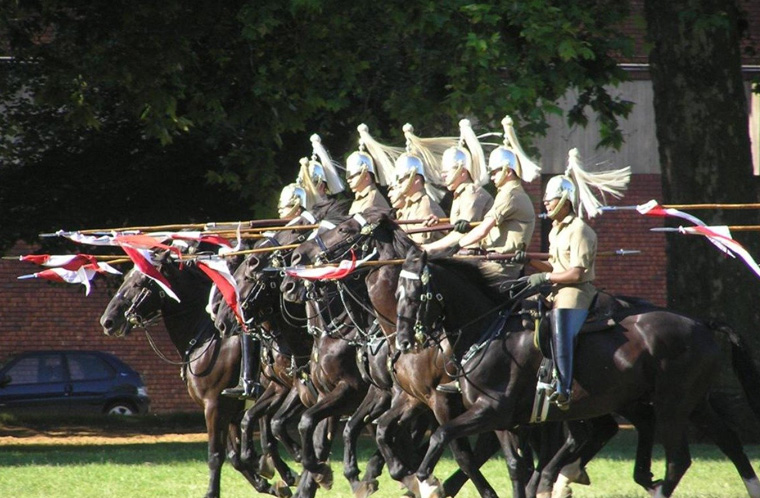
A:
x: 223, y: 329
x: 403, y: 345
x: 295, y: 258
x: 107, y: 325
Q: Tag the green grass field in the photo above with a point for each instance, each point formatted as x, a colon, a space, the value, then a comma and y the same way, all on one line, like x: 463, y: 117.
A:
x: 179, y: 470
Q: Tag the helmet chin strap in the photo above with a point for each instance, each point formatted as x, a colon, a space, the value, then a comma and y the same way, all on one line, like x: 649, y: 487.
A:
x: 290, y: 213
x: 450, y: 179
x: 501, y: 178
x: 558, y: 206
x: 407, y: 185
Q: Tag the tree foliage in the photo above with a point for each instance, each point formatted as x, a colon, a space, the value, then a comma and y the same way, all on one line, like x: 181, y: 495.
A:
x: 233, y: 89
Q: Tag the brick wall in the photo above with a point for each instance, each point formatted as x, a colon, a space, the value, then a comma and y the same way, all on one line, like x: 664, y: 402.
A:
x: 38, y: 314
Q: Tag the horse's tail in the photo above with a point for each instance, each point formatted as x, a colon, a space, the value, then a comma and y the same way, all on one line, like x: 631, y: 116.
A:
x: 743, y: 365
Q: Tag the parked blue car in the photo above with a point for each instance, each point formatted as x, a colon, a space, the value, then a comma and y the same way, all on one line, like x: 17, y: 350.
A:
x: 71, y: 383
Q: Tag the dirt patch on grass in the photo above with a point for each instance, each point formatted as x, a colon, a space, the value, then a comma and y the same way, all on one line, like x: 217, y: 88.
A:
x: 102, y: 430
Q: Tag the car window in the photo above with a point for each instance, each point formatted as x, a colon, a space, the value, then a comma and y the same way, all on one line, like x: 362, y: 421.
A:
x: 89, y: 367
x: 38, y: 369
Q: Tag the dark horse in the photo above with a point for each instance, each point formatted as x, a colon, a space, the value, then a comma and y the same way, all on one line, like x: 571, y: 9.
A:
x: 209, y: 363
x: 650, y: 355
x: 418, y: 375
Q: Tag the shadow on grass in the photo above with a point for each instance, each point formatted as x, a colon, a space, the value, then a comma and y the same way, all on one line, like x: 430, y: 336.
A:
x: 117, y: 454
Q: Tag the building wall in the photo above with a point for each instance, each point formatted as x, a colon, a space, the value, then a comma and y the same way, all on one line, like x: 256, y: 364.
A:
x: 39, y: 314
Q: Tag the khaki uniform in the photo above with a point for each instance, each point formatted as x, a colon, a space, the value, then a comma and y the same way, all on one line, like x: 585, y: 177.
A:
x: 572, y: 244
x: 471, y: 202
x: 367, y: 198
x: 419, y: 206
x: 515, y: 220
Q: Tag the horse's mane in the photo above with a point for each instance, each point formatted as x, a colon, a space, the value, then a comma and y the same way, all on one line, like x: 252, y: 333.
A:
x: 388, y: 231
x: 470, y: 272
x: 332, y: 209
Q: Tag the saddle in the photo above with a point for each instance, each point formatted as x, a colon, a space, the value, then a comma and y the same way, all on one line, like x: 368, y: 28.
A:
x: 601, y: 317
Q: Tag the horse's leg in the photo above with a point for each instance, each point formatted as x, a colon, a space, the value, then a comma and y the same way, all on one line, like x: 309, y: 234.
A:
x: 444, y: 408
x: 480, y: 417
x: 258, y: 482
x: 402, y: 408
x: 369, y: 483
x: 374, y: 404
x: 251, y: 416
x: 217, y: 433
x: 332, y: 404
x: 290, y: 408
x: 520, y: 467
x: 307, y: 486
x: 584, y: 439
x: 486, y: 445
x: 270, y: 448
x: 729, y: 443
x: 641, y: 415
x: 671, y: 426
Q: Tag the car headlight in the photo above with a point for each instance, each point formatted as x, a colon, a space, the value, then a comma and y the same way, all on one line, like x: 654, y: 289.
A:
x: 142, y: 391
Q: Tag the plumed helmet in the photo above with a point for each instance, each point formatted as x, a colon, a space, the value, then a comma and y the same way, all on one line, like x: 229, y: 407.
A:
x: 317, y: 172
x: 454, y: 157
x: 408, y: 164
x: 561, y: 187
x: 502, y: 157
x: 359, y: 161
x: 292, y: 196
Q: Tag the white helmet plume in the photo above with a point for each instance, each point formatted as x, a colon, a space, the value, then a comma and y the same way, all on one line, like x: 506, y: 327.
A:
x: 334, y: 183
x: 384, y: 155
x: 613, y: 182
x: 478, y: 170
x: 527, y: 169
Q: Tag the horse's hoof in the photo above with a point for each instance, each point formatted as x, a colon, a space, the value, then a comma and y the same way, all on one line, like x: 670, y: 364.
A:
x: 290, y: 478
x: 656, y: 490
x: 266, y: 466
x: 282, y: 490
x: 366, y: 488
x: 544, y: 494
x: 431, y: 488
x: 412, y: 485
x: 325, y: 478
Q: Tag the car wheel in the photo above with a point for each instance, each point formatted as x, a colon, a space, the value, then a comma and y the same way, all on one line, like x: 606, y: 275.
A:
x: 120, y: 408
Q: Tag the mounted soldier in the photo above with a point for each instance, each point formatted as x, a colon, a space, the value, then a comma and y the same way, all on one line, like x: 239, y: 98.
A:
x: 363, y: 174
x: 572, y: 254
x: 317, y: 181
x: 508, y: 225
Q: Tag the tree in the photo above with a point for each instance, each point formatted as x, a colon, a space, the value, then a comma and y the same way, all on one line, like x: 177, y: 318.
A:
x: 242, y: 84
x: 701, y: 116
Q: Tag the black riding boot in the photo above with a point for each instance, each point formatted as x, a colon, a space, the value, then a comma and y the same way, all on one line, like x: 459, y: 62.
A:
x: 566, y: 323
x: 247, y: 387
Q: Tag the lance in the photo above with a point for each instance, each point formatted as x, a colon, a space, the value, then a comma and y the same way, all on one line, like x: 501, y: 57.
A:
x: 231, y: 225
x: 733, y: 228
x: 492, y: 256
x: 687, y: 206
x: 438, y: 227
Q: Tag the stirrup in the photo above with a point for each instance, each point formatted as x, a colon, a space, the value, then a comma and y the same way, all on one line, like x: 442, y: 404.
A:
x: 449, y: 387
x: 561, y: 400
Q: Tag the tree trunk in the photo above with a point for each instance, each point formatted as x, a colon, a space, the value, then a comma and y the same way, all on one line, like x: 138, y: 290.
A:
x: 702, y: 129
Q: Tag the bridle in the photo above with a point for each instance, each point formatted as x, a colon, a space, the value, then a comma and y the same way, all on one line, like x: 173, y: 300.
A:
x: 356, y: 242
x: 132, y: 314
x: 423, y: 325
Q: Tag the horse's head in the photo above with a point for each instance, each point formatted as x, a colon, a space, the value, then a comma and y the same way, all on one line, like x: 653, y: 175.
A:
x: 328, y: 246
x: 419, y: 309
x: 137, y: 303
x: 258, y: 288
